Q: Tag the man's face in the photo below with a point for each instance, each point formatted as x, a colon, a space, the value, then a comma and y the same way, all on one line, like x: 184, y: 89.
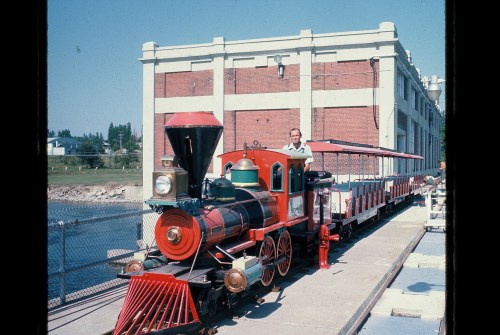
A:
x: 295, y: 136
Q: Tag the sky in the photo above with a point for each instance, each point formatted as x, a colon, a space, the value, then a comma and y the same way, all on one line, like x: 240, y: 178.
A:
x: 94, y: 76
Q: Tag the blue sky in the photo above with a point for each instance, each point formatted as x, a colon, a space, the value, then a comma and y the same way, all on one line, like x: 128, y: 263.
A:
x: 95, y: 77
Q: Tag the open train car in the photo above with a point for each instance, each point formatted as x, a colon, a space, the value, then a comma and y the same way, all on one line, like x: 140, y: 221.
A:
x: 218, y: 239
x: 363, y: 198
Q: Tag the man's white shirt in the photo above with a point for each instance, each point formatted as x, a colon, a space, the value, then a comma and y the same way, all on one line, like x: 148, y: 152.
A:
x: 304, y: 148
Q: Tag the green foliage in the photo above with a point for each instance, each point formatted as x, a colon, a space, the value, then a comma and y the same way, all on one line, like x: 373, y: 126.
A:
x: 97, y: 141
x: 125, y: 160
x: 51, y: 133
x: 68, y: 160
x: 64, y: 133
x: 70, y: 170
x: 121, y: 137
x: 90, y: 154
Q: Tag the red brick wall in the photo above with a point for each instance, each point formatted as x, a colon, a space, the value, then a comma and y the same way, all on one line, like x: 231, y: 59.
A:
x: 184, y: 84
x: 159, y: 85
x: 261, y: 80
x: 352, y: 124
x: 343, y: 75
x: 269, y: 128
x: 161, y: 143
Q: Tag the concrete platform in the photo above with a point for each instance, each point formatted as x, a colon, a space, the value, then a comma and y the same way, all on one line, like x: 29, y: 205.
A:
x: 425, y: 306
x: 416, y: 300
x: 315, y: 301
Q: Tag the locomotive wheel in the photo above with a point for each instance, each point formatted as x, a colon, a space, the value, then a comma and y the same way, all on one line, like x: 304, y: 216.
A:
x: 284, y: 248
x: 267, y: 254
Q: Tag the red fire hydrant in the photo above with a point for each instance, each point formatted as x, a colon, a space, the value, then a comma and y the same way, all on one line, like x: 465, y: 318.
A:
x: 324, y: 245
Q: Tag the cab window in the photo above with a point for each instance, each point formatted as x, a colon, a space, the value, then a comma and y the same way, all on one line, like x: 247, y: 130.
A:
x: 277, y: 177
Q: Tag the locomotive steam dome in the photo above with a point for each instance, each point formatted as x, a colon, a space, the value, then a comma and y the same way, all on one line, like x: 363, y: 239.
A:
x: 245, y: 174
x: 223, y: 189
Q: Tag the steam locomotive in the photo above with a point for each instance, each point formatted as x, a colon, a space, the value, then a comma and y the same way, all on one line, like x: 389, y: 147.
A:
x: 218, y: 239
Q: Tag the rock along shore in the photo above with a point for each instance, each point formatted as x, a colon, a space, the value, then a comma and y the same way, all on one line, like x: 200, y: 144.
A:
x: 95, y: 193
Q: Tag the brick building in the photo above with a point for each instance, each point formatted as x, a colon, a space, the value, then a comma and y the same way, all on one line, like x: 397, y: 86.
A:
x: 357, y: 86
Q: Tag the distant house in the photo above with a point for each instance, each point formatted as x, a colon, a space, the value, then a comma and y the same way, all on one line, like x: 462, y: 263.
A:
x: 60, y: 146
x: 107, y: 148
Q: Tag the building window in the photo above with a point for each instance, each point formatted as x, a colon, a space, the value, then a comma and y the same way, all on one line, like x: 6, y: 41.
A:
x: 413, y: 97
x: 401, y: 85
x: 402, y: 120
x: 405, y: 88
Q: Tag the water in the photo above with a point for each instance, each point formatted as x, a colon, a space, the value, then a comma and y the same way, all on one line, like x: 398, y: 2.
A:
x: 88, y: 242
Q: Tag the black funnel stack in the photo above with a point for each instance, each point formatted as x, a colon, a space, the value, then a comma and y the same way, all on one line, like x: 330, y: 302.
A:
x: 194, y: 137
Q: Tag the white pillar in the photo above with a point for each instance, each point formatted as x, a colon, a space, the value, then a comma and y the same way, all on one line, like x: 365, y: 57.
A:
x: 305, y: 84
x: 218, y: 53
x: 148, y: 117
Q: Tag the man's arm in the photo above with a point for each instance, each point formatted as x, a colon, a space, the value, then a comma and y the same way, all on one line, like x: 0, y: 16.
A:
x: 309, y: 160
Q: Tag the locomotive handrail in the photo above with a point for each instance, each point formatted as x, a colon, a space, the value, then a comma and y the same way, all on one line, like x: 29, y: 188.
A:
x: 234, y: 204
x: 196, y: 255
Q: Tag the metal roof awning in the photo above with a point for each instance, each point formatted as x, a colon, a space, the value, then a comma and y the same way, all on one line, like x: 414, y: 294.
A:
x: 329, y: 147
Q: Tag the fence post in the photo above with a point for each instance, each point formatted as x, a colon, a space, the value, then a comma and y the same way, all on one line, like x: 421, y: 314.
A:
x: 138, y: 234
x: 62, y: 268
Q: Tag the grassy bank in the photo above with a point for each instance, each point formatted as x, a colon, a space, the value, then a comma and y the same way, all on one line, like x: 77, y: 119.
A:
x: 98, y: 177
x: 68, y: 170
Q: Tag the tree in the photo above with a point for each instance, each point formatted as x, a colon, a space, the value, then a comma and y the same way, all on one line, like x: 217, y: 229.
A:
x: 90, y: 154
x: 64, y: 133
x: 121, y: 137
x: 51, y: 133
x: 96, y: 140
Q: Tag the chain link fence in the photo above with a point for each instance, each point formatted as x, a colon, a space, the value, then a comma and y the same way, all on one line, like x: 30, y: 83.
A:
x: 90, y: 243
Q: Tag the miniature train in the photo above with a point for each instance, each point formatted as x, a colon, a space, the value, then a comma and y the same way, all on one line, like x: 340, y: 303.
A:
x: 218, y: 239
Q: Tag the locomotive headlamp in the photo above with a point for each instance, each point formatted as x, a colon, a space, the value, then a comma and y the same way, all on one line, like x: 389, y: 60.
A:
x: 170, y: 182
x: 163, y: 185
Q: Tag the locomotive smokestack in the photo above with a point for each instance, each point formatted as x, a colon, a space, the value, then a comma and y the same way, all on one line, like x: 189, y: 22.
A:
x: 194, y: 137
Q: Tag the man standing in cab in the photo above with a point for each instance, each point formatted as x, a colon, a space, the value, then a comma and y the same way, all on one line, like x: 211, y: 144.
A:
x: 297, y: 145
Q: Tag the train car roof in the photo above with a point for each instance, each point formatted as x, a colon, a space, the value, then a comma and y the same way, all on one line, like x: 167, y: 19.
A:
x: 326, y: 146
x: 290, y: 153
